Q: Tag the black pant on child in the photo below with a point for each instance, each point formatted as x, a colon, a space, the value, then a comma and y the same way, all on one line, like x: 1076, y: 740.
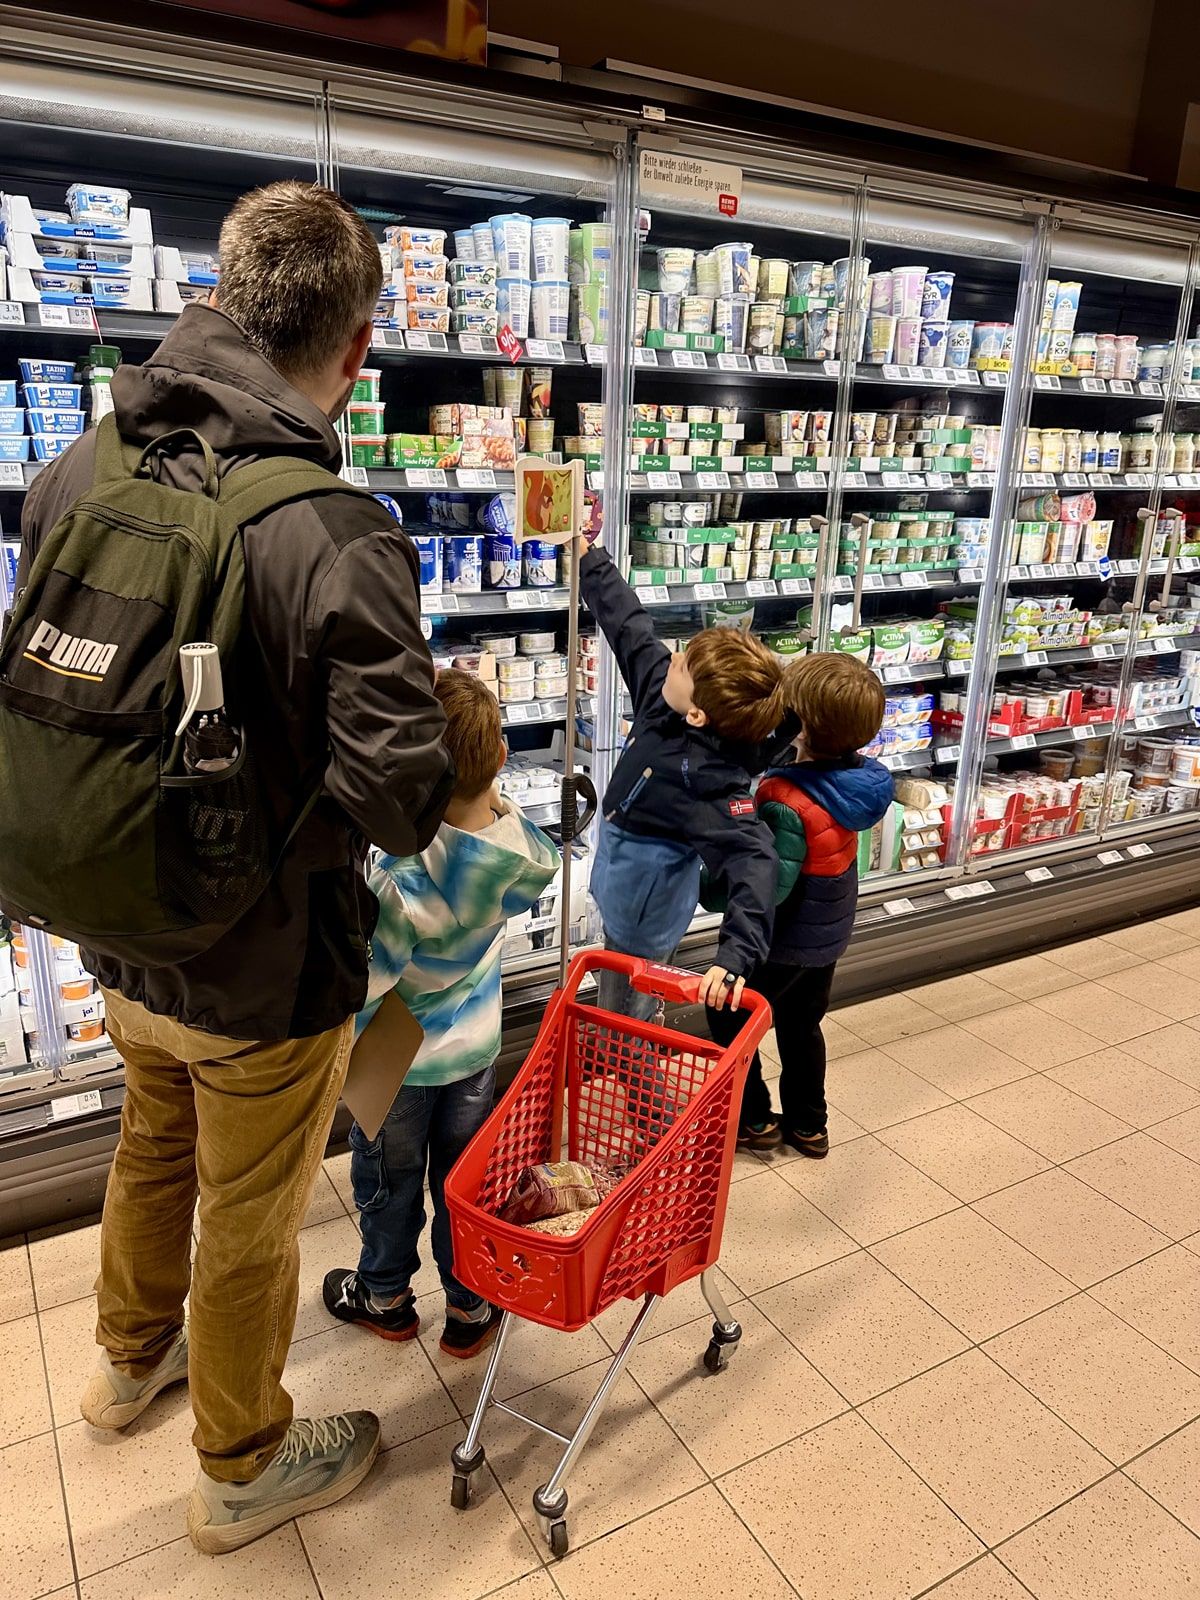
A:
x: 799, y: 997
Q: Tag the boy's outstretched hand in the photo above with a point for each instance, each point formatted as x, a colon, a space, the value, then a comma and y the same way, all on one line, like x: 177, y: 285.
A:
x: 718, y: 986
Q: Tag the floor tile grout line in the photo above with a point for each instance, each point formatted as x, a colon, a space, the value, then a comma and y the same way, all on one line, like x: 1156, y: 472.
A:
x: 1150, y: 1494
x: 62, y: 1479
x: 1042, y: 1515
x: 295, y: 1523
x: 754, y: 1538
x: 985, y: 1555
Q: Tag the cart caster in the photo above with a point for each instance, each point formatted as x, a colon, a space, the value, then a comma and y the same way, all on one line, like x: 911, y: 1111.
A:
x: 465, y: 1468
x: 558, y: 1540
x: 721, y: 1346
x: 552, y: 1514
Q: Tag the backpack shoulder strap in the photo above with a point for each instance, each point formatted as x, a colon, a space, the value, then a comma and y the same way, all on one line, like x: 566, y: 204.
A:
x: 248, y: 492
x: 114, y: 458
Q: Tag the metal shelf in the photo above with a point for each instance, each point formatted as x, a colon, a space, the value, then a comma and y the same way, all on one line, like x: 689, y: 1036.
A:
x: 495, y: 602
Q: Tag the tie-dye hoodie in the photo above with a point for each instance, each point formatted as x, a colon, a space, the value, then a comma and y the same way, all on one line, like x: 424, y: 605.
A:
x: 442, y: 917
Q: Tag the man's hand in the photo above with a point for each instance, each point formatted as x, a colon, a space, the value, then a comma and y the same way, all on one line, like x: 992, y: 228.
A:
x: 718, y: 986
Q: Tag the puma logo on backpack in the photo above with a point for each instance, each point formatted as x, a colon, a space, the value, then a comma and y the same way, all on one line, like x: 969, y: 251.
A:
x: 105, y: 838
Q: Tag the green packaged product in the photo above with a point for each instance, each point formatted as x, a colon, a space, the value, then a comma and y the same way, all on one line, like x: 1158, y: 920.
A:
x: 852, y: 644
x: 368, y: 450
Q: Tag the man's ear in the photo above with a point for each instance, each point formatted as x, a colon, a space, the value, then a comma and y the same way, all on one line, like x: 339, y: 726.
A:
x: 697, y: 718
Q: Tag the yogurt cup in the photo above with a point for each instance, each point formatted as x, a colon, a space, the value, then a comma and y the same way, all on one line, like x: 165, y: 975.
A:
x: 485, y: 248
x: 908, y: 340
x: 879, y: 294
x: 696, y: 314
x: 540, y: 563
x: 539, y: 435
x: 675, y: 269
x: 881, y: 337
x: 908, y: 288
x: 501, y: 561
x: 366, y: 386
x: 551, y: 304
x: 515, y: 669
x: 511, y: 238
x: 761, y: 328
x: 730, y: 319
x: 366, y: 416
x: 512, y: 304
x: 664, y: 311
x: 462, y: 563
x: 841, y: 276
x: 737, y: 271
x: 804, y: 277
x: 548, y: 242
x: 464, y: 244
x: 987, y: 344
x: 431, y: 240
x: 538, y: 382
x: 935, y: 296
x: 429, y: 555
x: 933, y: 344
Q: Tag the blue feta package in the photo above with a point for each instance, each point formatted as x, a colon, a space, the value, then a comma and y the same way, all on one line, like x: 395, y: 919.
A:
x: 429, y: 555
x: 390, y: 503
x: 540, y: 563
x: 462, y: 563
x: 499, y: 515
x: 501, y: 561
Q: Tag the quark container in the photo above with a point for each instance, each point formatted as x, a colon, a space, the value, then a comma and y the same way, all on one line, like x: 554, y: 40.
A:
x: 511, y: 238
x: 512, y: 304
x: 464, y: 244
x: 675, y: 269
x: 549, y: 237
x: 551, y: 303
x: 429, y: 555
x: 501, y: 562
x: 908, y: 289
x: 462, y: 563
x: 540, y: 562
x: 485, y: 249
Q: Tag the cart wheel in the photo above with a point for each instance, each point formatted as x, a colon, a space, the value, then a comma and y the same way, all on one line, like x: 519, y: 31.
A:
x: 460, y: 1492
x: 559, y: 1541
x: 716, y: 1357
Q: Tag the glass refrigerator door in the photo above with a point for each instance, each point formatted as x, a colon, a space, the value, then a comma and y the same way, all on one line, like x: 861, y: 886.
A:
x: 491, y: 342
x: 184, y: 152
x: 921, y: 442
x: 1090, y: 639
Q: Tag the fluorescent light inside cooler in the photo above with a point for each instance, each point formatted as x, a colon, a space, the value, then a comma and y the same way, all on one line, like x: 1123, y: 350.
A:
x: 509, y: 197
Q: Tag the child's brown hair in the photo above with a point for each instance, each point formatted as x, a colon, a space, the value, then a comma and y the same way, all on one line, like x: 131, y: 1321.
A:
x: 474, y: 735
x: 737, y: 683
x: 838, y: 700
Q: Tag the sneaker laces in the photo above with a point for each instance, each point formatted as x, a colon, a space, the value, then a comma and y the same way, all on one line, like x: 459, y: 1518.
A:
x: 313, y: 1436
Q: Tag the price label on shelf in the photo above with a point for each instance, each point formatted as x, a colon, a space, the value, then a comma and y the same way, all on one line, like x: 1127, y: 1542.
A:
x: 957, y: 669
x: 595, y: 480
x: 854, y: 480
x: 66, y: 1107
x: 690, y: 358
x: 895, y: 675
x: 387, y: 339
x: 914, y: 580
x: 1046, y: 380
x: 476, y: 478
x: 761, y: 480
x: 1189, y: 391
x: 892, y: 373
x: 995, y: 380
x: 770, y: 364
x: 1103, y: 651
x: 1138, y: 851
x: 436, y: 605
x: 1144, y: 724
x: 478, y: 344
x: 1127, y: 569
x: 810, y: 480
x: 645, y: 358
x: 1120, y: 386
x: 938, y: 480
x: 873, y: 580
x: 356, y: 476
x: 545, y: 350
x: 1022, y: 741
x: 596, y: 355
x: 969, y: 891
x: 948, y: 755
x: 12, y: 475
x: 709, y: 591
x: 1137, y: 480
x: 832, y: 368
x: 790, y: 586
x: 712, y: 480
x: 895, y: 480
x: 969, y: 377
x: 12, y: 314
x: 80, y: 319
x: 435, y: 342
x: 1041, y: 569
x: 843, y: 583
x: 981, y: 480
x: 425, y: 478
x: 1081, y: 730
x: 656, y: 594
x: 1020, y: 571
x: 1093, y: 385
x: 1035, y: 658
x: 523, y: 713
x: 898, y: 908
x: 1039, y: 874
x: 1109, y: 858
x: 663, y: 480
x: 761, y: 588
x: 1187, y: 563
x: 970, y: 574
x: 1100, y: 480
x: 1037, y: 480
x: 728, y: 362
x: 1164, y: 647
x: 1189, y: 480
x: 1150, y: 387
x: 1064, y: 569
x: 1074, y: 480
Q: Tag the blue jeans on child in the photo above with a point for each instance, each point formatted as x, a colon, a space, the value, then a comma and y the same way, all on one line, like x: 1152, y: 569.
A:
x: 426, y: 1126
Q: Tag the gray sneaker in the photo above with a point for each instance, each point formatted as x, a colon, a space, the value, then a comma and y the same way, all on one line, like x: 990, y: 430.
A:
x: 112, y: 1400
x: 320, y: 1460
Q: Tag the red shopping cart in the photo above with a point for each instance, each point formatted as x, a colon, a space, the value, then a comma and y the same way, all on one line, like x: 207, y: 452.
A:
x: 618, y: 1093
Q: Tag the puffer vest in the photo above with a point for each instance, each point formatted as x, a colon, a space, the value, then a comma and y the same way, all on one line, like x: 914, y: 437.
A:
x: 813, y: 925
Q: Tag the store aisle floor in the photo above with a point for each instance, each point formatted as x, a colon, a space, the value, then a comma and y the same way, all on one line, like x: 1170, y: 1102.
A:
x: 971, y: 1363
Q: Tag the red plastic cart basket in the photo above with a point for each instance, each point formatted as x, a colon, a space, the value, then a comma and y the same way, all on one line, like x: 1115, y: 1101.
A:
x: 616, y: 1092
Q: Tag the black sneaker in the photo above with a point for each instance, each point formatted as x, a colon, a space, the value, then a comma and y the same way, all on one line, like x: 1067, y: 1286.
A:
x: 813, y: 1145
x: 759, y: 1136
x: 467, y: 1339
x: 348, y: 1301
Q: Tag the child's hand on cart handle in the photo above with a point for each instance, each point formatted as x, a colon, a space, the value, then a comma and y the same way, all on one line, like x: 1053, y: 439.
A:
x: 718, y: 986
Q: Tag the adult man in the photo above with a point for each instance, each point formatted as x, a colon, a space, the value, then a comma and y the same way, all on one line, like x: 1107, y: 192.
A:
x: 234, y: 1060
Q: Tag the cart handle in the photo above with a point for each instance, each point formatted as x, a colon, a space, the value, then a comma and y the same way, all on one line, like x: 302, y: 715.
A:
x: 667, y: 983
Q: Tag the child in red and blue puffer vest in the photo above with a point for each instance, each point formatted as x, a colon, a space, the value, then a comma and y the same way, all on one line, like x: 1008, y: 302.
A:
x: 816, y: 805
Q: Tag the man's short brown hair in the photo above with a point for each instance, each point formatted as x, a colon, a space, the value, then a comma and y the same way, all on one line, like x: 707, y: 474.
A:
x: 737, y: 683
x: 473, y: 736
x: 838, y: 700
x: 300, y: 272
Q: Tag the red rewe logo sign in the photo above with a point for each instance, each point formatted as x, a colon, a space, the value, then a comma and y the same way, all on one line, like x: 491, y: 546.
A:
x: 727, y: 205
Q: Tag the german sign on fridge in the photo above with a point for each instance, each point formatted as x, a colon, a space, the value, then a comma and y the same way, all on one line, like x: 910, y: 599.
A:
x: 683, y: 180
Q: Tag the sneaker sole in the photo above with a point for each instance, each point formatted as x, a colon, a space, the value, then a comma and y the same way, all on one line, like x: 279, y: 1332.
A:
x: 112, y: 1417
x: 759, y: 1146
x: 465, y: 1352
x: 218, y: 1539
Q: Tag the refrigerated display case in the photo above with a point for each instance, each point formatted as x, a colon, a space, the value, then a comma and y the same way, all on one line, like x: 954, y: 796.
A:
x: 856, y: 416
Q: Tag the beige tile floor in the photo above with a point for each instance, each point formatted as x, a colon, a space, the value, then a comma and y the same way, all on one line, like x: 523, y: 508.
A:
x: 971, y: 1363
